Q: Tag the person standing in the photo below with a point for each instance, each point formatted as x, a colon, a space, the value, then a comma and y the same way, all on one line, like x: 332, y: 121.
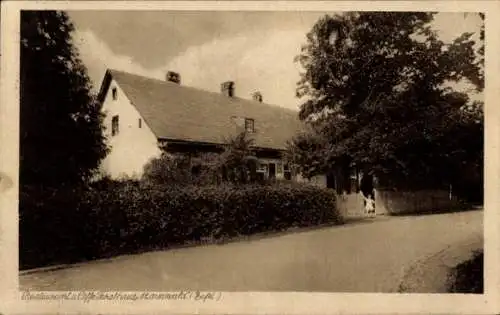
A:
x: 368, y: 191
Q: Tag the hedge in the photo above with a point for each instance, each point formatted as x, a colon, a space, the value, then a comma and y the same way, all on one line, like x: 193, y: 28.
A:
x: 122, y: 217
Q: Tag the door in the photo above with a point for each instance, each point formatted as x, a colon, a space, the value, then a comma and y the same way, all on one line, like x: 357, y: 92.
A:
x: 330, y: 181
x: 272, y: 170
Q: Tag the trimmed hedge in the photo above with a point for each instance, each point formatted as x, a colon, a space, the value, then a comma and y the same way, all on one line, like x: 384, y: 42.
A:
x: 50, y: 226
x: 113, y: 218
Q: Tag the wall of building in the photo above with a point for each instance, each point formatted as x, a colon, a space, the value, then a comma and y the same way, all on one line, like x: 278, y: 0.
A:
x: 132, y: 147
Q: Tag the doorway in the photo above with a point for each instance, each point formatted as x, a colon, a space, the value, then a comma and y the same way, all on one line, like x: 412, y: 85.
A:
x: 272, y: 170
x: 330, y: 181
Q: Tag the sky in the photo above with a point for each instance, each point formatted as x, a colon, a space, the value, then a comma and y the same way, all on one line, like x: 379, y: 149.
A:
x: 256, y: 50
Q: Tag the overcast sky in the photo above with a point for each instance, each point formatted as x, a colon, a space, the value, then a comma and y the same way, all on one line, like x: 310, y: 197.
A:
x: 254, y: 49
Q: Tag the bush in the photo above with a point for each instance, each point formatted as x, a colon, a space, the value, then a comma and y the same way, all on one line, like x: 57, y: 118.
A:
x: 169, y: 169
x: 50, y: 226
x: 121, y: 217
x: 468, y: 277
x: 235, y: 163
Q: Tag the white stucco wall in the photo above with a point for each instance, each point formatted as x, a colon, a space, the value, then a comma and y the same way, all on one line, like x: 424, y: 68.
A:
x: 132, y: 147
x: 404, y: 202
x: 352, y: 205
x: 397, y: 202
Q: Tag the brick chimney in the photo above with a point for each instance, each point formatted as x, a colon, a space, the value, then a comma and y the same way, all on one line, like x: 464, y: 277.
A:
x: 227, y: 88
x: 257, y: 96
x: 173, y: 77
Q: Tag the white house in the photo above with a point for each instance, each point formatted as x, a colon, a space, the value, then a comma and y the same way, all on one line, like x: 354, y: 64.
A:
x: 144, y: 114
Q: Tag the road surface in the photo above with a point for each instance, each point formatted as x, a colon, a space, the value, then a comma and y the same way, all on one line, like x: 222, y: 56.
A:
x: 358, y: 257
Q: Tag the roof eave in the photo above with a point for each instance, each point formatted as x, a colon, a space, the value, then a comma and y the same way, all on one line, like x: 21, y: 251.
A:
x: 201, y: 143
x: 104, y: 86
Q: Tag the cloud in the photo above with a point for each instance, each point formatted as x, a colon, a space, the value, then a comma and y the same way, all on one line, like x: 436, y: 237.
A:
x: 98, y: 56
x: 262, y: 62
x: 256, y: 62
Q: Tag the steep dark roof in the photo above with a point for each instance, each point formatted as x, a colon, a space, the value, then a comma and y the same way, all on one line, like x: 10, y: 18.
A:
x: 176, y: 112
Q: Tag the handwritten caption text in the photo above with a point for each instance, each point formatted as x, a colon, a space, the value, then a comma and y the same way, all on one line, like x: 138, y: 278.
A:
x: 87, y: 296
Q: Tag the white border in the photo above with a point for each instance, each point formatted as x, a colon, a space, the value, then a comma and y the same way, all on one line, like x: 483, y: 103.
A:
x: 253, y: 302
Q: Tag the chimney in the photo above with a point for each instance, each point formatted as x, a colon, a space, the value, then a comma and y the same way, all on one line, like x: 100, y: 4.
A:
x: 173, y: 77
x: 257, y: 96
x: 227, y: 88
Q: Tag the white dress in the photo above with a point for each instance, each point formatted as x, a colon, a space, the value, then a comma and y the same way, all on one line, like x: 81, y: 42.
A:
x: 369, y: 206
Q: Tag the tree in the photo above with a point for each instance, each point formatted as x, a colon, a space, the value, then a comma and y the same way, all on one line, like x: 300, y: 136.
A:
x: 169, y: 169
x: 61, y: 139
x: 238, y: 162
x: 479, y: 80
x: 375, y: 96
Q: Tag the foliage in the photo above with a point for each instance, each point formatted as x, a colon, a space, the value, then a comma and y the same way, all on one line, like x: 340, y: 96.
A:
x: 468, y: 277
x: 168, y: 168
x: 375, y: 96
x: 112, y: 218
x: 239, y: 163
x: 50, y: 226
x: 480, y: 80
x: 60, y: 120
x: 236, y: 164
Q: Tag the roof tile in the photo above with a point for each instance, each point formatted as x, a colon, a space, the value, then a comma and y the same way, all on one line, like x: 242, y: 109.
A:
x: 173, y: 111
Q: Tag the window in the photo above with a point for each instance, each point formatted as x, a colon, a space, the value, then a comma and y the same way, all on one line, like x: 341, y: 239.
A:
x: 114, y: 125
x: 249, y: 125
x: 140, y: 123
x: 272, y: 170
x: 262, y: 168
x: 262, y: 171
x: 279, y: 168
x: 114, y: 91
x: 267, y: 170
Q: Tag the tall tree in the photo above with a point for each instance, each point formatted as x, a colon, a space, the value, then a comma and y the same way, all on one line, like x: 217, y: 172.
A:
x: 61, y: 139
x: 480, y: 81
x: 375, y: 93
